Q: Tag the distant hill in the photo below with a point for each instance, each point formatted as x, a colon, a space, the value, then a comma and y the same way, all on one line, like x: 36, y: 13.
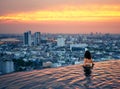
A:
x: 105, y: 75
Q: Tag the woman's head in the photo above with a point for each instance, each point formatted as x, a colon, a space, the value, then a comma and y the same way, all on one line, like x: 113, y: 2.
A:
x: 87, y: 55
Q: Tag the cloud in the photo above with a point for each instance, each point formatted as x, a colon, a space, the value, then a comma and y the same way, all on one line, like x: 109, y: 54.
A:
x: 60, y: 16
x: 69, y: 13
x: 15, y: 6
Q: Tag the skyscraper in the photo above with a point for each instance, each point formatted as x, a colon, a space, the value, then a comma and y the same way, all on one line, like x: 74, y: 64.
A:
x: 37, y: 38
x: 27, y: 38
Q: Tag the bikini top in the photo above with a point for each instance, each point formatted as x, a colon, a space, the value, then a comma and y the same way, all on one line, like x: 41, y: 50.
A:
x: 89, y: 64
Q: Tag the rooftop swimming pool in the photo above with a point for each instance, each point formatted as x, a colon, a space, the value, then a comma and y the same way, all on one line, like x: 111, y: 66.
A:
x: 105, y: 75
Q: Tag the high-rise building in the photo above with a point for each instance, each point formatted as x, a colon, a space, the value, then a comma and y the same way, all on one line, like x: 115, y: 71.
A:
x: 6, y: 64
x: 27, y: 38
x: 60, y: 41
x: 37, y: 38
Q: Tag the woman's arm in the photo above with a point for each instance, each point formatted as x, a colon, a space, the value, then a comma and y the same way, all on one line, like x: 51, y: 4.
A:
x: 92, y: 63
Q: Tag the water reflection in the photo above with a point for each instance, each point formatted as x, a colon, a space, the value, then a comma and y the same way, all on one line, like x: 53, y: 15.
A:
x: 88, y: 82
x: 87, y: 71
x: 104, y: 75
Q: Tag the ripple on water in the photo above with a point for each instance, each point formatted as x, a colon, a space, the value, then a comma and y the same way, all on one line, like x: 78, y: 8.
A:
x: 105, y: 75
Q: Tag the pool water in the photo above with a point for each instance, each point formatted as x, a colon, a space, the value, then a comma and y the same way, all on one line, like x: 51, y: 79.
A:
x: 104, y: 75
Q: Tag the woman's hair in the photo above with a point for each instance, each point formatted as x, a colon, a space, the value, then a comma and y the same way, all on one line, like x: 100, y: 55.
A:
x: 87, y: 55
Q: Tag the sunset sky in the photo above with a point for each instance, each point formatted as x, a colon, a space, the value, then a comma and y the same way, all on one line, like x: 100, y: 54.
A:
x: 60, y: 16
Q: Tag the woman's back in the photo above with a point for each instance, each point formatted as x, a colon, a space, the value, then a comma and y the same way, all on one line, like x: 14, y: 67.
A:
x: 88, y: 62
x: 88, y: 59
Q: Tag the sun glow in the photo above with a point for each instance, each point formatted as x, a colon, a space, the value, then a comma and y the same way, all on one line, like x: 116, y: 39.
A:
x: 69, y: 13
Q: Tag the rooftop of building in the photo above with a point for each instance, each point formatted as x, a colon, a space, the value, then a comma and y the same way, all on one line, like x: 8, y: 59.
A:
x: 5, y: 58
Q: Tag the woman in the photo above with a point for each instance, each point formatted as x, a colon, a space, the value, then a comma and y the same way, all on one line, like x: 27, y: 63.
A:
x: 88, y: 59
x: 88, y: 63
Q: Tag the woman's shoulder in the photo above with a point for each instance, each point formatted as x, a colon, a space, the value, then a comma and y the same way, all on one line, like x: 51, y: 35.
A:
x: 88, y: 59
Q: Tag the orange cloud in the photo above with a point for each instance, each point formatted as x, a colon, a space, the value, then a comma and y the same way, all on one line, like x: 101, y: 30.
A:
x: 69, y: 13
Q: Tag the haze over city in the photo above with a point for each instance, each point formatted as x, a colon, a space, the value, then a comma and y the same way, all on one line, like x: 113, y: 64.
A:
x: 60, y: 16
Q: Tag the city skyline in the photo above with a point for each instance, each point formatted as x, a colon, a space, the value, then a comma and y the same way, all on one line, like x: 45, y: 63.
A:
x: 59, y: 16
